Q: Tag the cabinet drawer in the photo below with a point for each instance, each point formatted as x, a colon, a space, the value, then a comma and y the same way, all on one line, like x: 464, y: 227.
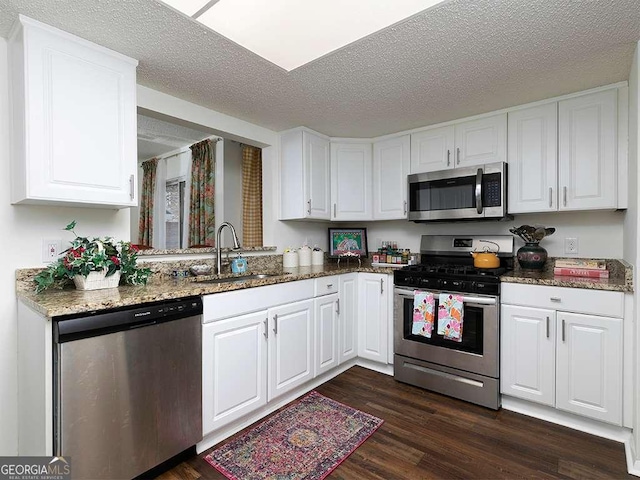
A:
x: 230, y: 304
x: 326, y: 285
x: 580, y: 300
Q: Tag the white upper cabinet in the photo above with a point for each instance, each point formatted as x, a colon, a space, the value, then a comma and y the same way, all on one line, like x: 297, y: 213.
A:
x: 390, y: 169
x: 432, y: 149
x: 351, y: 181
x: 481, y: 141
x: 588, y: 144
x: 305, y: 181
x: 533, y: 159
x: 475, y: 142
x: 73, y: 120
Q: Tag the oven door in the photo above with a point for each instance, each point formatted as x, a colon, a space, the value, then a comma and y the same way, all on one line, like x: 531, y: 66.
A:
x: 477, y: 353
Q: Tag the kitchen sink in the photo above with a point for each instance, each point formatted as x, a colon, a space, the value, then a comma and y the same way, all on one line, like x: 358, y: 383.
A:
x: 242, y: 278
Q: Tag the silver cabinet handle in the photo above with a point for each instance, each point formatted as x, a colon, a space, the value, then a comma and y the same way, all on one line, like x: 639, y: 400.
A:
x: 275, y: 324
x: 405, y: 207
x: 547, y: 327
x: 550, y: 197
x: 329, y: 285
x: 563, y: 336
x: 479, y: 191
x: 458, y: 155
x: 309, y: 208
x: 448, y: 157
x: 381, y: 286
x: 338, y: 306
x: 334, y: 210
x: 564, y: 196
x: 132, y: 186
x: 266, y: 328
x: 555, y: 299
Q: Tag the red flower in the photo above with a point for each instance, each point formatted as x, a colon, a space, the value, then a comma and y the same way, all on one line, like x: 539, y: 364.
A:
x: 134, y: 248
x: 76, y: 252
x: 115, y: 260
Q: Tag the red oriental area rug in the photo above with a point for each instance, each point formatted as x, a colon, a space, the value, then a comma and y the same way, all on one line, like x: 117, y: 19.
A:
x: 306, y: 440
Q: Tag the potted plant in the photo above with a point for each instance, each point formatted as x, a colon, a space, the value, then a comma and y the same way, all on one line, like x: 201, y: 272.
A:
x: 93, y: 263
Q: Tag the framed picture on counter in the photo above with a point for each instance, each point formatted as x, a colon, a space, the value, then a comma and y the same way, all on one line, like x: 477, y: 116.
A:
x: 347, y: 240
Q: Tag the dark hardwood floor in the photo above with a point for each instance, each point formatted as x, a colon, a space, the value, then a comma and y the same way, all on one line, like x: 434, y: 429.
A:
x: 426, y: 435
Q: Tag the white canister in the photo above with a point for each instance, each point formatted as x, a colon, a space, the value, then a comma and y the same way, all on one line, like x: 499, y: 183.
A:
x: 304, y: 256
x: 317, y: 257
x: 290, y: 259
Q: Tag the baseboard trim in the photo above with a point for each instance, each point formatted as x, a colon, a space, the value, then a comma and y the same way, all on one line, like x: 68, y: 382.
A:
x: 375, y: 366
x: 631, y: 453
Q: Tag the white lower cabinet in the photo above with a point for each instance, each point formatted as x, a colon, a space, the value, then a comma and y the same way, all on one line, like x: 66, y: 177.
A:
x: 567, y: 360
x: 589, y: 366
x: 326, y: 311
x: 373, y: 302
x: 290, y: 347
x: 234, y: 357
x: 348, y: 298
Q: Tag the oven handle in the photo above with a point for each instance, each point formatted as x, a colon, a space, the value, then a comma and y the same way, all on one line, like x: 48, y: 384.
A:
x: 477, y: 300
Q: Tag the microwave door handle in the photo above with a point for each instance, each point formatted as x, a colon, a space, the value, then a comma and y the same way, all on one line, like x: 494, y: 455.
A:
x: 479, y: 191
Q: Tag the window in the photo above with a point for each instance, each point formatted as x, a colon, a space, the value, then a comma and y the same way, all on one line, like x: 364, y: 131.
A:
x: 175, y: 218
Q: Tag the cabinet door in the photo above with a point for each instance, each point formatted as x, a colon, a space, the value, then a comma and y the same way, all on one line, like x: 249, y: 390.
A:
x: 481, y: 141
x: 327, y: 330
x: 317, y: 177
x: 533, y: 171
x: 290, y: 347
x: 75, y: 142
x: 588, y: 151
x: 351, y: 181
x: 527, y: 357
x: 373, y: 316
x: 348, y: 317
x: 432, y: 150
x: 589, y: 366
x: 390, y: 169
x: 234, y: 368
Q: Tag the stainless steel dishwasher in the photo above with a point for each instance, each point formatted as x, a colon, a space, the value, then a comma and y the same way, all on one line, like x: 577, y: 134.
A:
x: 128, y: 387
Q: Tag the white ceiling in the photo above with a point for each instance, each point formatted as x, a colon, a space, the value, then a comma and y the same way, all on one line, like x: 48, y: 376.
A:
x: 457, y: 59
x: 157, y: 137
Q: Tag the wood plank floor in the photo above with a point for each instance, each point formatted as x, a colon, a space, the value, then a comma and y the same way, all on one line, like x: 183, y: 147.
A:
x: 429, y: 436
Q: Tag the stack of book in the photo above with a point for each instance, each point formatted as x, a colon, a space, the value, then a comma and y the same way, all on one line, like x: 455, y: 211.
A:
x: 579, y: 267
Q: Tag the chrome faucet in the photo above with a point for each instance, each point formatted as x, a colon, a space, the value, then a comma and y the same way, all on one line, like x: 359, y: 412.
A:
x: 236, y: 243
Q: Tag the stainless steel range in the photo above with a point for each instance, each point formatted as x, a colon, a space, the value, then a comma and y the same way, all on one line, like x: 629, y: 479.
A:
x: 468, y: 369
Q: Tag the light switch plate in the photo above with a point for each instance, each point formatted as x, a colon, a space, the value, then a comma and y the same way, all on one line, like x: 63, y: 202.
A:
x: 571, y: 245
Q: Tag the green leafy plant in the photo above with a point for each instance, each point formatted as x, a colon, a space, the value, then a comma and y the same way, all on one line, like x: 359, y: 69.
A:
x: 88, y: 255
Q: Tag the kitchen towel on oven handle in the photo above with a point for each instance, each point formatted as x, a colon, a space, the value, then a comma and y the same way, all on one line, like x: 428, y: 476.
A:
x: 450, y: 316
x: 423, y: 317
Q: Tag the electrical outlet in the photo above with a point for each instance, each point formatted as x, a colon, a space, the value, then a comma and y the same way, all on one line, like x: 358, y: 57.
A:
x: 50, y: 249
x: 571, y: 245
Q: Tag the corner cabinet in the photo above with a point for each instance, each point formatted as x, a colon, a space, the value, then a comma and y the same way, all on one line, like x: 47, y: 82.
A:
x: 562, y: 347
x: 73, y: 120
x: 305, y: 180
x: 391, y: 160
x: 351, y: 181
x: 474, y: 142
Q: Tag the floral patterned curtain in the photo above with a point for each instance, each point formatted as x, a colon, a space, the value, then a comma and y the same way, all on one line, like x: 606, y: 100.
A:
x: 251, y: 196
x: 202, y: 221
x: 145, y: 224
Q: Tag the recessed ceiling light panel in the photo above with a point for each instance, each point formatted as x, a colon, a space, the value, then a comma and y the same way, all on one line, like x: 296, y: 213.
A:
x: 291, y: 33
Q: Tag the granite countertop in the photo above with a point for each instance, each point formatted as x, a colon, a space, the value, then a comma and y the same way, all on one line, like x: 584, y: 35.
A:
x: 54, y: 303
x: 620, y: 277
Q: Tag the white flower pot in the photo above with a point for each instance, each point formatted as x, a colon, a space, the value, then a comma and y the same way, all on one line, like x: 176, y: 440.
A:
x: 97, y: 280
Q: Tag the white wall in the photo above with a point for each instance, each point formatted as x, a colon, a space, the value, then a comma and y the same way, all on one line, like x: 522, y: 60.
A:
x: 631, y: 240
x: 23, y: 228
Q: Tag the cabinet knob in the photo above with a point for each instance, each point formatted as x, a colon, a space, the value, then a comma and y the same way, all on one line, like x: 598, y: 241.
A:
x: 555, y: 299
x: 381, y: 286
x: 266, y: 328
x: 338, y: 306
x: 547, y: 327
x: 309, y: 207
x: 132, y: 186
x: 275, y: 324
x: 448, y: 157
x: 564, y: 196
x: 458, y: 154
x: 550, y: 197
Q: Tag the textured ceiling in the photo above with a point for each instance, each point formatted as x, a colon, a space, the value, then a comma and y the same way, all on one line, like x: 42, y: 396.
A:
x: 156, y: 137
x: 457, y: 59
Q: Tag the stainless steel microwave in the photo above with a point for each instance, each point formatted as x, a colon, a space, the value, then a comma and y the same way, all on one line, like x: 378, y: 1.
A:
x: 468, y: 193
